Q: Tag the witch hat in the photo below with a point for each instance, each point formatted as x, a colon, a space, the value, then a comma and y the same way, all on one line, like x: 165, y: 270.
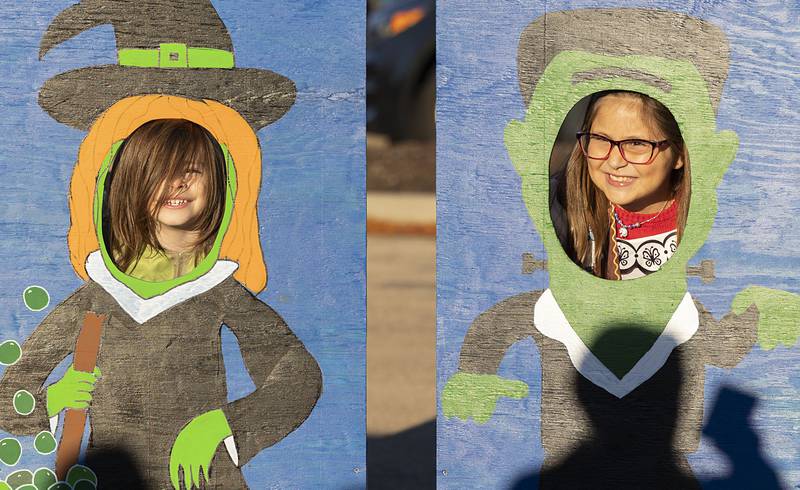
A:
x: 178, y: 48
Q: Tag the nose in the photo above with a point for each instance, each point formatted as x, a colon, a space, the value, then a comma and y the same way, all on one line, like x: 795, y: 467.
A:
x: 179, y: 184
x: 615, y: 159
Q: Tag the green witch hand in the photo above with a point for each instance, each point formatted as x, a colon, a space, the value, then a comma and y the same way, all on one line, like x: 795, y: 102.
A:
x: 195, y: 447
x: 778, y: 314
x: 74, y: 390
x: 475, y: 395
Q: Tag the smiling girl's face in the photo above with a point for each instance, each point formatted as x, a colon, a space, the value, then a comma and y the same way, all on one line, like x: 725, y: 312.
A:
x: 167, y: 192
x: 186, y: 201
x: 641, y: 188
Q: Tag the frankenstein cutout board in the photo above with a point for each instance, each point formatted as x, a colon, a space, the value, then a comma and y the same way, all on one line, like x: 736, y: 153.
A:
x: 618, y: 296
x: 183, y: 245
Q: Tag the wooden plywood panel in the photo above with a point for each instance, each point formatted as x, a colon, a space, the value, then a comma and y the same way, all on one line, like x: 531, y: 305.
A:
x: 520, y: 396
x: 268, y: 369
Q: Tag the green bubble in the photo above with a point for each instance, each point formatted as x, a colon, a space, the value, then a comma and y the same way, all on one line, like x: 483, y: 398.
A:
x: 60, y: 486
x: 44, y: 443
x: 80, y: 472
x: 43, y: 478
x: 4, y: 486
x: 27, y: 487
x: 24, y: 402
x: 10, y: 352
x: 84, y: 485
x: 10, y: 451
x: 36, y: 298
x: 19, y: 478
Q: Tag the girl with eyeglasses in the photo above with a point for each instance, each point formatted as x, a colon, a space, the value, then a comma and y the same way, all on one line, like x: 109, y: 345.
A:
x: 625, y: 190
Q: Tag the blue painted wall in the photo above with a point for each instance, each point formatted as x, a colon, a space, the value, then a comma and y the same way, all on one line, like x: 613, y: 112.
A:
x: 484, y: 227
x: 312, y: 207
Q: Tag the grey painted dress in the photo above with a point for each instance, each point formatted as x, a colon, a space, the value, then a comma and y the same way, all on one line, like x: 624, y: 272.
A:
x: 161, y: 367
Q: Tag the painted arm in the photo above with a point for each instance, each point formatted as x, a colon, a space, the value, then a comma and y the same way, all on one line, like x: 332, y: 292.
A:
x: 48, y: 345
x: 288, y: 384
x: 726, y: 341
x: 474, y: 390
x: 777, y: 314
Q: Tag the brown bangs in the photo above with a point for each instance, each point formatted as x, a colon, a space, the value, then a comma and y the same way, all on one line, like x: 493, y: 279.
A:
x: 155, y: 154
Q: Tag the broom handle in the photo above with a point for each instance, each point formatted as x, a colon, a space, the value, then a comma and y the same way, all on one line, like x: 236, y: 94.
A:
x: 84, y: 359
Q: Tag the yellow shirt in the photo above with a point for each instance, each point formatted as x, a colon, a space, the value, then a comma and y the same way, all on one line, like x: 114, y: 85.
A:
x: 155, y: 266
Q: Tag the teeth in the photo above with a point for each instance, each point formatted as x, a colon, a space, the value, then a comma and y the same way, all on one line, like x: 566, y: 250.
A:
x: 176, y: 202
x: 619, y: 179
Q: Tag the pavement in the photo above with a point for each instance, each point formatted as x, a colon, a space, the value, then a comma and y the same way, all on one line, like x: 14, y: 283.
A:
x: 401, y: 362
x: 401, y: 335
x: 401, y: 317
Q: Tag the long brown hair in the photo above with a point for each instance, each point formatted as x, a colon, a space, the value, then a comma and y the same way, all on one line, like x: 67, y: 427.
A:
x: 157, y: 153
x: 588, y: 208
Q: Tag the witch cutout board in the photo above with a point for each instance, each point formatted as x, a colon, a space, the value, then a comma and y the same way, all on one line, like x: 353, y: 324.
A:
x: 183, y: 245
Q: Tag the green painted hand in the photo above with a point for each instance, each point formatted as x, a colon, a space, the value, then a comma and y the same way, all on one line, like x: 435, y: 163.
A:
x: 195, y: 447
x: 74, y: 390
x: 778, y: 314
x: 475, y: 395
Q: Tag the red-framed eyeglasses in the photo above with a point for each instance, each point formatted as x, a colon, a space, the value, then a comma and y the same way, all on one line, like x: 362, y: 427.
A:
x: 635, y: 151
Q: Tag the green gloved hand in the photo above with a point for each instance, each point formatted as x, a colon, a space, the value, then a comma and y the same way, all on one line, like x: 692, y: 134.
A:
x: 778, y: 314
x: 475, y: 395
x: 74, y: 390
x: 195, y: 447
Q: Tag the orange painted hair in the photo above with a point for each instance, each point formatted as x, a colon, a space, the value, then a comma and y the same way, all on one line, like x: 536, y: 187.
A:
x: 241, y: 243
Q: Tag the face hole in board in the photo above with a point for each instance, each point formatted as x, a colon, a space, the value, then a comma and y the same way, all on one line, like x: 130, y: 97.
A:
x: 619, y: 184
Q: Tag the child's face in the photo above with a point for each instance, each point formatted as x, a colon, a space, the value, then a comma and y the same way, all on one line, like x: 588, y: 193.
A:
x: 186, y: 202
x: 637, y: 188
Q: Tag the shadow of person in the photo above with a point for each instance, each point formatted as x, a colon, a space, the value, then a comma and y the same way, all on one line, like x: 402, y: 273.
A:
x: 403, y: 460
x: 630, y: 440
x: 115, y: 468
x: 729, y: 427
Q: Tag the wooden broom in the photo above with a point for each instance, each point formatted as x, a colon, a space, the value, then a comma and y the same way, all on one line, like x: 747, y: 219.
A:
x: 84, y: 359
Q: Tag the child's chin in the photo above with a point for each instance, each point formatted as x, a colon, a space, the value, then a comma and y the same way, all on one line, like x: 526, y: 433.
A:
x: 620, y: 198
x: 173, y: 222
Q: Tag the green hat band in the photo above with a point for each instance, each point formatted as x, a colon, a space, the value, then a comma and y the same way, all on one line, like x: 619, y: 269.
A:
x: 176, y: 55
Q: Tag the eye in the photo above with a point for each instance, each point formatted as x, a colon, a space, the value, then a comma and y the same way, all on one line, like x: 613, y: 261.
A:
x: 639, y: 143
x: 192, y: 173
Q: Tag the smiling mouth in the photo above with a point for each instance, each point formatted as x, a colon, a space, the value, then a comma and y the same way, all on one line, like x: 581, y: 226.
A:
x: 176, y: 203
x: 619, y: 180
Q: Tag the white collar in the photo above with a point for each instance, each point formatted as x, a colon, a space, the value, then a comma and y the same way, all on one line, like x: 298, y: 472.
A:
x: 551, y: 322
x: 141, y: 309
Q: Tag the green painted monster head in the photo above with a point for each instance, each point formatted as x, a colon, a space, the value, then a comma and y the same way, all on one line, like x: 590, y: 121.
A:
x: 673, y: 79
